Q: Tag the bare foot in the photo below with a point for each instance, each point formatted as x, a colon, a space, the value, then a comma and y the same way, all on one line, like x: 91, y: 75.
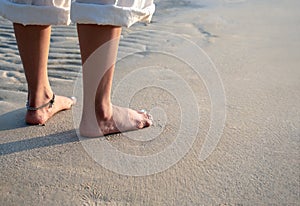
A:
x: 120, y: 120
x: 40, y: 116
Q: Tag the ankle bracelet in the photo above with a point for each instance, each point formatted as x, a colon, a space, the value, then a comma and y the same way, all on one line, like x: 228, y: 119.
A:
x: 50, y: 104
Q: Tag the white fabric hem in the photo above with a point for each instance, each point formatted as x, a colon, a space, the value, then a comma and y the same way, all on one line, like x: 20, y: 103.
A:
x: 43, y: 15
x: 109, y: 14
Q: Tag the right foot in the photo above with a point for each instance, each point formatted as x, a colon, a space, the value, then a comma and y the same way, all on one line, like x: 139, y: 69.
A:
x: 120, y: 120
x: 40, y: 116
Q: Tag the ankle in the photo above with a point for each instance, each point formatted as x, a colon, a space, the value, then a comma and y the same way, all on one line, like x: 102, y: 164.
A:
x: 39, y: 97
x: 104, y: 111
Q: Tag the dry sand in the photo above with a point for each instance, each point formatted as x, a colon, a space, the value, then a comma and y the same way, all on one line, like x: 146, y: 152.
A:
x: 255, y: 48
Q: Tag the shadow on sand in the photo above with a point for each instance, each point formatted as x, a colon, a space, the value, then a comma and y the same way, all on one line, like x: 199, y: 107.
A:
x: 13, y: 120
x: 38, y: 142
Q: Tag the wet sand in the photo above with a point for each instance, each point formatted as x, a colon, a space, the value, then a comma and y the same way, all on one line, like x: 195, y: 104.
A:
x: 254, y: 46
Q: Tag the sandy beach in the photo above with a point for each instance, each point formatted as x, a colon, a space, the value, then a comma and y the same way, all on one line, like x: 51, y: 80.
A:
x: 221, y: 79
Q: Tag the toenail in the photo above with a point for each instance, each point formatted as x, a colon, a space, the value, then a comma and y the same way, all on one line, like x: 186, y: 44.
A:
x: 143, y: 111
x: 74, y: 99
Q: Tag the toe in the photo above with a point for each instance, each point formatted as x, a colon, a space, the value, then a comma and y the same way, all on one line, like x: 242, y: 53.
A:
x: 142, y: 111
x: 67, y: 102
x: 148, y: 123
x: 147, y: 119
x: 73, y: 100
x: 140, y: 124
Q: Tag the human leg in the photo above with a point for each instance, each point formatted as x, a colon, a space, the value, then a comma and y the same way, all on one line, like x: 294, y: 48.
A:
x: 33, y: 43
x: 99, y: 45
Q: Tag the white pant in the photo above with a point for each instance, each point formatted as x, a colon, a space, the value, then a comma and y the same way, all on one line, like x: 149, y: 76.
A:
x: 61, y: 12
